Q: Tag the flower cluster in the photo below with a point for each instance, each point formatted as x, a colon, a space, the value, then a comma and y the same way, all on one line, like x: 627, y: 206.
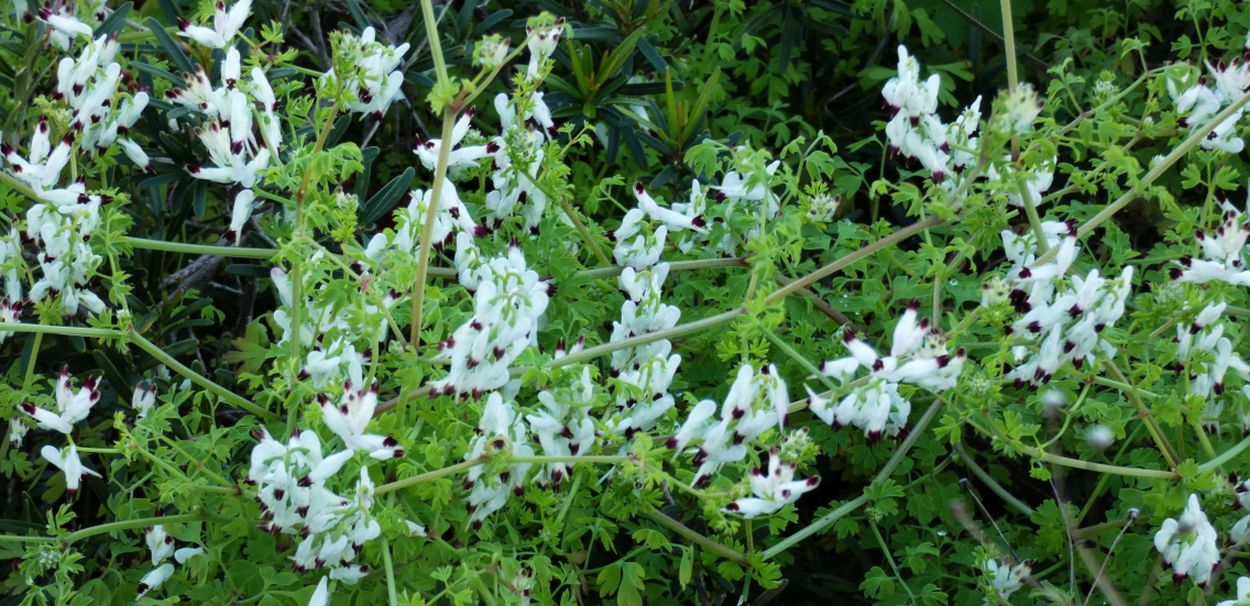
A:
x: 1064, y: 317
x: 1189, y: 544
x: 349, y: 418
x: 1202, y: 348
x: 1199, y: 102
x: 291, y: 487
x: 64, y: 24
x: 641, y: 375
x: 509, y: 302
x: 563, y: 426
x: 226, y: 24
x: 161, y: 545
x: 503, y: 431
x: 1221, y: 253
x: 89, y: 86
x: 756, y: 402
x: 72, y: 406
x: 917, y: 132
x: 336, y: 325
x: 773, y: 491
x: 720, y: 218
x: 374, y: 82
x: 918, y: 356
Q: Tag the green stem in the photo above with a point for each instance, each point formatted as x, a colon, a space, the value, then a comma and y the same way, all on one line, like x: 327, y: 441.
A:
x: 697, y: 538
x: 92, y: 531
x: 436, y: 47
x: 989, y: 481
x: 436, y: 189
x: 391, y: 596
x: 238, y: 252
x: 427, y: 476
x: 69, y: 331
x: 845, y: 260
x: 713, y: 321
x: 1228, y: 455
x: 1134, y: 472
x: 1164, y: 447
x: 225, y: 394
x: 612, y: 272
x: 850, y: 506
x: 889, y: 558
x: 1195, y: 137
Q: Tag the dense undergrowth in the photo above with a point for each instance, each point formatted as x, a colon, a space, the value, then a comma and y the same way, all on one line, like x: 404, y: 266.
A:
x: 824, y: 301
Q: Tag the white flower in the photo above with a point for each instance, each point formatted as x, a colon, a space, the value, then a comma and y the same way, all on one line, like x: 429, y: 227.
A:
x: 160, y: 543
x: 320, y: 597
x: 1007, y: 578
x: 1221, y: 253
x: 17, y: 431
x: 376, y: 82
x: 499, y: 428
x: 68, y: 462
x: 459, y: 158
x: 226, y: 23
x: 349, y: 418
x: 41, y: 168
x: 637, y: 245
x: 144, y: 398
x: 1240, y: 532
x: 72, y: 406
x: 1189, y: 545
x: 155, y: 578
x: 542, y: 38
x: 509, y: 303
x: 63, y: 26
x: 670, y: 218
x: 756, y: 402
x: 564, y: 427
x: 773, y: 491
x: 917, y: 356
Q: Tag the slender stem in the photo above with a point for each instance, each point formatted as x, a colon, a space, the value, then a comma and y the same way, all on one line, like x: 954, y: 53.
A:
x: 697, y: 538
x: 611, y: 272
x: 429, y: 475
x: 392, y: 596
x: 1227, y: 456
x: 225, y: 394
x: 1013, y: 78
x: 1135, y: 472
x: 889, y: 558
x: 1031, y: 212
x: 713, y: 321
x: 436, y: 47
x: 989, y: 481
x: 436, y: 190
x: 571, y: 460
x: 92, y: 531
x: 845, y: 260
x: 69, y: 331
x: 587, y: 237
x: 239, y: 252
x: 1195, y: 137
x: 1164, y: 447
x: 850, y: 506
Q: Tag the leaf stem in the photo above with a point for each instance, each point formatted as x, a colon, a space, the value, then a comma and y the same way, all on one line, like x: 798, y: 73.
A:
x: 238, y: 252
x: 225, y: 394
x: 696, y: 537
x: 436, y: 190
